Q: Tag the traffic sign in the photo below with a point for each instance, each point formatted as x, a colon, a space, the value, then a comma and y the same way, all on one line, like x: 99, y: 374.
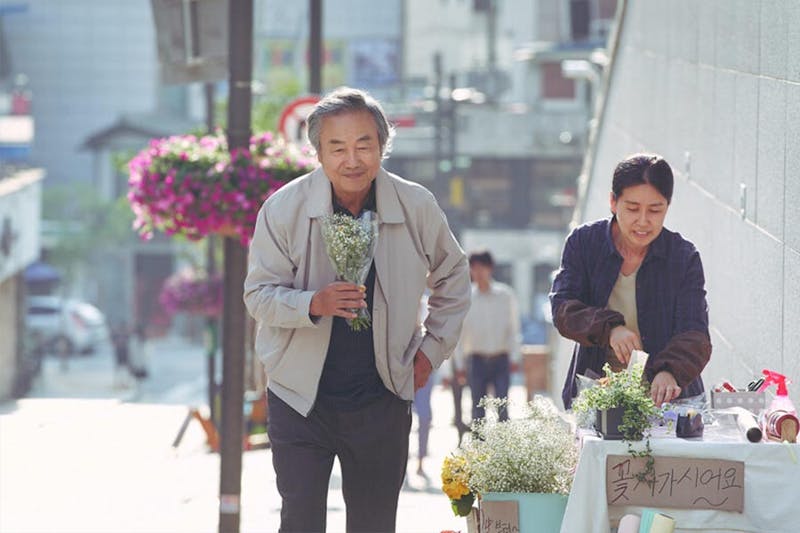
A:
x: 292, y: 123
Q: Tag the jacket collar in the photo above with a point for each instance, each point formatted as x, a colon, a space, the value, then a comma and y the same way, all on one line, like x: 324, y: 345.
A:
x: 320, y: 202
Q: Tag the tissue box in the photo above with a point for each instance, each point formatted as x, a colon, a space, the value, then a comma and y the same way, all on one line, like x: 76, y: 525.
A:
x: 752, y: 401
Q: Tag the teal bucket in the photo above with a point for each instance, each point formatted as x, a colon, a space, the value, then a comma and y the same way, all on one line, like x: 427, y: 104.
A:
x: 538, y: 513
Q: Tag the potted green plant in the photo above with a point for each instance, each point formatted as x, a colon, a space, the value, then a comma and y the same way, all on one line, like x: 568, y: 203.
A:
x: 530, y: 459
x: 623, y: 410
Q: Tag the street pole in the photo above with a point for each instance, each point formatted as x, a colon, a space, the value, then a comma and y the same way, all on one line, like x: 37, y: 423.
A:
x: 491, y: 49
x: 452, y: 149
x: 315, y: 46
x: 212, y: 323
x: 438, y: 120
x: 240, y: 61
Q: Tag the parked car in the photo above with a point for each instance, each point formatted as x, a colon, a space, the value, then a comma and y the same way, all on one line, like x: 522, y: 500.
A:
x: 67, y: 324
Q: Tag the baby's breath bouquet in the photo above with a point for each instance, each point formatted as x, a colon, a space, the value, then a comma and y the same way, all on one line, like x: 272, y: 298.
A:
x: 535, y: 453
x: 350, y: 244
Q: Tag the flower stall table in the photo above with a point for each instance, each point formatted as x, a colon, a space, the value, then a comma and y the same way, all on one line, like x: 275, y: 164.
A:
x: 771, y: 482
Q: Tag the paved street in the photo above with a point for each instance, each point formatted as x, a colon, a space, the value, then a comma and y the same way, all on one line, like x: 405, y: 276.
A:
x: 79, y: 455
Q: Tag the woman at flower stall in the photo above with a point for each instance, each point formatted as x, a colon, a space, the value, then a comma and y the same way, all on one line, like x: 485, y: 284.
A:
x: 628, y: 283
x: 336, y: 390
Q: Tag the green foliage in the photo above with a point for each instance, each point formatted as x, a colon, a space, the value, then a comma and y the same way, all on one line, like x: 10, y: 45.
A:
x: 463, y: 505
x: 86, y: 224
x: 267, y: 107
x: 630, y: 392
x: 621, y: 389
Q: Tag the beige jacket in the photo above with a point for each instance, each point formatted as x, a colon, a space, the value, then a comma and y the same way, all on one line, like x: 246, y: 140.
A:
x: 288, y: 264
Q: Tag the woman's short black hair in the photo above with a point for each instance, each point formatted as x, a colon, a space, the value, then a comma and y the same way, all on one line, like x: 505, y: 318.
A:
x: 481, y: 257
x: 638, y: 169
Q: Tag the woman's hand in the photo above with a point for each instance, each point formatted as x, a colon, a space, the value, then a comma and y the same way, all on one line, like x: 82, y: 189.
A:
x: 664, y: 388
x: 623, y: 341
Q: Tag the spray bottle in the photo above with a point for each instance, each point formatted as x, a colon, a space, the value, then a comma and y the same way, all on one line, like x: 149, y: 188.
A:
x: 779, y: 420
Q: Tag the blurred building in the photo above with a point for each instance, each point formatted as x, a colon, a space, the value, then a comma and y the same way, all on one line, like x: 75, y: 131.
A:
x: 20, y: 207
x: 363, y: 44
x: 497, y: 131
x: 499, y: 128
x: 93, y: 69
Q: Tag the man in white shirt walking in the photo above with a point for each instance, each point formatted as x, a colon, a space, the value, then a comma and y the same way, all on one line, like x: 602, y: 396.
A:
x: 490, y: 336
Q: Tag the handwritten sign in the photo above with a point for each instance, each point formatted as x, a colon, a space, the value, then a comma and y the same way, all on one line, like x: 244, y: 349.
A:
x: 680, y: 483
x: 499, y: 517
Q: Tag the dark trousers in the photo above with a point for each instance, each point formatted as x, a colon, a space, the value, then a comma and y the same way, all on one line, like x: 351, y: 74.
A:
x: 372, y: 446
x: 486, y: 370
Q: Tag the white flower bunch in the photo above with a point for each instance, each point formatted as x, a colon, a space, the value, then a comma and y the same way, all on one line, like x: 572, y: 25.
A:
x: 350, y: 244
x: 536, y: 453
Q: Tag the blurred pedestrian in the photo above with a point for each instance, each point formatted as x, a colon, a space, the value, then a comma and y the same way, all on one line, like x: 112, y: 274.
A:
x: 422, y: 406
x: 627, y: 283
x: 422, y: 401
x: 457, y: 381
x: 490, y: 339
x: 120, y: 340
x: 139, y: 354
x: 334, y: 391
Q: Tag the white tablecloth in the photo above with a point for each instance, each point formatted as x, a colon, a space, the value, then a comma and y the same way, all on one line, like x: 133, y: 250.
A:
x: 771, y: 490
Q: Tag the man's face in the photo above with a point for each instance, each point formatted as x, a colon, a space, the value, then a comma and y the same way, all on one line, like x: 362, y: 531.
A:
x: 349, y: 151
x: 480, y: 273
x: 640, y: 213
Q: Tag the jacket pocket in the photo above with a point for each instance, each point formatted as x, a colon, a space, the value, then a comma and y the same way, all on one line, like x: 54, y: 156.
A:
x: 272, y: 344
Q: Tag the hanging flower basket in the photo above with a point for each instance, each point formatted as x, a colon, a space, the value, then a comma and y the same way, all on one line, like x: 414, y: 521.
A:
x: 192, y: 292
x: 192, y: 186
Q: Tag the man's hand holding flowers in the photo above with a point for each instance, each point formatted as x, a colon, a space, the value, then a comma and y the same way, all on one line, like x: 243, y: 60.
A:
x: 338, y: 299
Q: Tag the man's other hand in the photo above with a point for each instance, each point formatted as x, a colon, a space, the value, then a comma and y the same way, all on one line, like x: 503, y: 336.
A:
x: 422, y: 370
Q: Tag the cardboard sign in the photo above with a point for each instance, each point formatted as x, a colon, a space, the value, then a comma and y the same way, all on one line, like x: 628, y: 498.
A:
x: 680, y: 483
x: 499, y: 517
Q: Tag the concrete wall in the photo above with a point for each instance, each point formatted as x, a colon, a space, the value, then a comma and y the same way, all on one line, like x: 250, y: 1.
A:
x: 714, y: 86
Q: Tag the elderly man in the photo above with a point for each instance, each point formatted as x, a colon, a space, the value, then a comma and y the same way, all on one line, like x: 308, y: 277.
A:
x: 333, y: 391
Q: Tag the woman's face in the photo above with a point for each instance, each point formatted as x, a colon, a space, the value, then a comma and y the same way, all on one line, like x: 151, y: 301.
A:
x: 640, y: 211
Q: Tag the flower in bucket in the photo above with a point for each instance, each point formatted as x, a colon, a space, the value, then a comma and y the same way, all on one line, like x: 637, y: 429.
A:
x: 535, y: 453
x: 350, y: 244
x: 192, y: 292
x: 192, y: 186
x: 455, y: 483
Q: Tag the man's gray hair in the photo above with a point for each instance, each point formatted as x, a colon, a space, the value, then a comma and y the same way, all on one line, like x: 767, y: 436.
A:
x: 349, y: 100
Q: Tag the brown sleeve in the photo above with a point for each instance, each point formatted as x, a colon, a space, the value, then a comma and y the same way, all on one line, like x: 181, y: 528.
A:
x: 685, y: 356
x: 586, y: 325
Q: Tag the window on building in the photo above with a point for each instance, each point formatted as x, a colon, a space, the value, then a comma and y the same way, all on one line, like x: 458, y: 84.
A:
x: 580, y: 16
x: 554, y: 84
x: 606, y: 9
x: 491, y: 195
